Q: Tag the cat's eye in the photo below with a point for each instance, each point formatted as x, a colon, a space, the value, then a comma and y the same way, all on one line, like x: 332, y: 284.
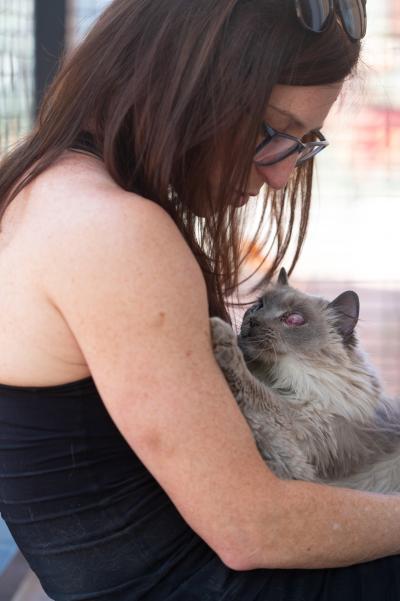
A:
x: 293, y: 319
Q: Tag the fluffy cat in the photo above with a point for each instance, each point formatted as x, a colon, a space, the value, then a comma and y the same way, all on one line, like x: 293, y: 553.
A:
x: 313, y: 402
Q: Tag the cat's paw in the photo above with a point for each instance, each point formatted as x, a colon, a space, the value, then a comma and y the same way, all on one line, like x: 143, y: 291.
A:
x: 222, y: 333
x: 225, y: 345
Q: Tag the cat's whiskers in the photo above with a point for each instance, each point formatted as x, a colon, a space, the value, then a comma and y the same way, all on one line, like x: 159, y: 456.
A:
x: 260, y: 341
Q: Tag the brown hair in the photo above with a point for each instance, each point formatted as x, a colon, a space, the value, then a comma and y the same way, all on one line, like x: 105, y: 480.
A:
x: 170, y: 89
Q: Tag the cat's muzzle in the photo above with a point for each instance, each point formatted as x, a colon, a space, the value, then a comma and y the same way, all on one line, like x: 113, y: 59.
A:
x: 256, y: 338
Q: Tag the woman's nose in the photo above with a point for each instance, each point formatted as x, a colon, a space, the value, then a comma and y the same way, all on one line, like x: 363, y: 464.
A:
x: 277, y: 176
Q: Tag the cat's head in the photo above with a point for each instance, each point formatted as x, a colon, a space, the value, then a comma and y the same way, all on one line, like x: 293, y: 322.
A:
x: 286, y: 321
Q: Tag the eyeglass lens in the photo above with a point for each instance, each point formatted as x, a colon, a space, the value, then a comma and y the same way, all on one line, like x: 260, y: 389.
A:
x: 279, y: 148
x: 276, y: 150
x: 315, y: 14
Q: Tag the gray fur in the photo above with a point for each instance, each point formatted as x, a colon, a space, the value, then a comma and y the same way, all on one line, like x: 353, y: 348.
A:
x: 313, y: 402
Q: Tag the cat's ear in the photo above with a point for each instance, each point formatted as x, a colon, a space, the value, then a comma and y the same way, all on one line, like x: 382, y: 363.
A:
x: 283, y: 279
x: 347, y: 309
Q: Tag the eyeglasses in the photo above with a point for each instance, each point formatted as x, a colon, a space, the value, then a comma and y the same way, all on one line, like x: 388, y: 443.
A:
x: 278, y: 146
x: 315, y: 15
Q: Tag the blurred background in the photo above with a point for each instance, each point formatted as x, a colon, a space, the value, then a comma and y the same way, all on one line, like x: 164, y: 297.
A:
x: 354, y: 234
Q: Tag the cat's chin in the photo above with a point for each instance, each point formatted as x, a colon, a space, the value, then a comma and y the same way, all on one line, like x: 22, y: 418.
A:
x: 250, y: 353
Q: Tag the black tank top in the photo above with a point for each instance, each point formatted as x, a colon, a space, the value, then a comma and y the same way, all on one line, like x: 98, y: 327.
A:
x: 85, y: 143
x: 85, y: 512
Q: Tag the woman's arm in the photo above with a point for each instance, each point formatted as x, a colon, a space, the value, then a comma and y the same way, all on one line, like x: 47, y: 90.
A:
x: 120, y: 273
x: 321, y: 526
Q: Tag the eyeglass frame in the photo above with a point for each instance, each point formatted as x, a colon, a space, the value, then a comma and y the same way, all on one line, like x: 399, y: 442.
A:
x: 270, y: 133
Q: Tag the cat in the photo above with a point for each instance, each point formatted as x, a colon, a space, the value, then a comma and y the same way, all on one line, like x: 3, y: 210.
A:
x: 315, y: 405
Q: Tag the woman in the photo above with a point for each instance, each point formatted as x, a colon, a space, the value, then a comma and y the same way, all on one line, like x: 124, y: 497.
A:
x: 127, y: 470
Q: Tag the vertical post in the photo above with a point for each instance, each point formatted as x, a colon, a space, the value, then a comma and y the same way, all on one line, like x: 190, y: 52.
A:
x: 50, y: 36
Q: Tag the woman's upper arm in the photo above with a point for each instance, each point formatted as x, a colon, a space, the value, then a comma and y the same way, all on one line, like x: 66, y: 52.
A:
x: 135, y: 299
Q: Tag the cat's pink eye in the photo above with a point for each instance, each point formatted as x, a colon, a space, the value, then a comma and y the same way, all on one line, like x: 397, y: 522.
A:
x: 293, y: 319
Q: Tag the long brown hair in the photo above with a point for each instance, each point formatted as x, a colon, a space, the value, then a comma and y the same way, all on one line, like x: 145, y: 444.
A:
x: 172, y: 88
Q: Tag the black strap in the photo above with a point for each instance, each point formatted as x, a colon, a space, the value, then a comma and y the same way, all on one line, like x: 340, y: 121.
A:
x: 85, y: 142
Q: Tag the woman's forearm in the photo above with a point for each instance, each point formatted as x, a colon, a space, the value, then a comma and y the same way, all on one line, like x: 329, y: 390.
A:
x: 319, y: 526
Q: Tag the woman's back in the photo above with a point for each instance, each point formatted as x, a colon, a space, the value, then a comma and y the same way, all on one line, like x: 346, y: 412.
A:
x: 41, y: 349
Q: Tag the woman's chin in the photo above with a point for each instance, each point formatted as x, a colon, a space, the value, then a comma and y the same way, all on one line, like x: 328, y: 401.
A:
x: 244, y: 198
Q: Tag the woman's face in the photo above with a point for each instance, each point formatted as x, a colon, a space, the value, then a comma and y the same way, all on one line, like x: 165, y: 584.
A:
x: 295, y: 110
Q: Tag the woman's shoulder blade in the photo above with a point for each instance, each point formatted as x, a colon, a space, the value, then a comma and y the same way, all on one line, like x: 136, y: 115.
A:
x: 106, y: 243
x: 78, y: 203
x: 77, y: 185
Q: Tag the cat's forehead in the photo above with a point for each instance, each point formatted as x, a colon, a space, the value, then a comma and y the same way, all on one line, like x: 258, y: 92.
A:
x: 287, y: 296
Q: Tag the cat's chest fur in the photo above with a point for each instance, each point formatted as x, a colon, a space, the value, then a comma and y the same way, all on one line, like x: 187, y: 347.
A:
x: 332, y: 420
x: 341, y: 388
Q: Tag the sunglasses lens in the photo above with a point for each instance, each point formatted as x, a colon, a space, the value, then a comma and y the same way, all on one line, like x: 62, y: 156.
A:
x: 314, y: 15
x: 353, y: 17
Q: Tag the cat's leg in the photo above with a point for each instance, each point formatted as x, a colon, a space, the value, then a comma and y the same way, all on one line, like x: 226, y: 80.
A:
x: 274, y: 423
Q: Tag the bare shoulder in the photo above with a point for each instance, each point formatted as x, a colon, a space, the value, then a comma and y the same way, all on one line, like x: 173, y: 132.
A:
x: 105, y: 247
x: 83, y: 212
x: 78, y: 190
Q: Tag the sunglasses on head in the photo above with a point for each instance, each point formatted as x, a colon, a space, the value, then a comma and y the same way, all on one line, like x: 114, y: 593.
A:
x: 315, y: 15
